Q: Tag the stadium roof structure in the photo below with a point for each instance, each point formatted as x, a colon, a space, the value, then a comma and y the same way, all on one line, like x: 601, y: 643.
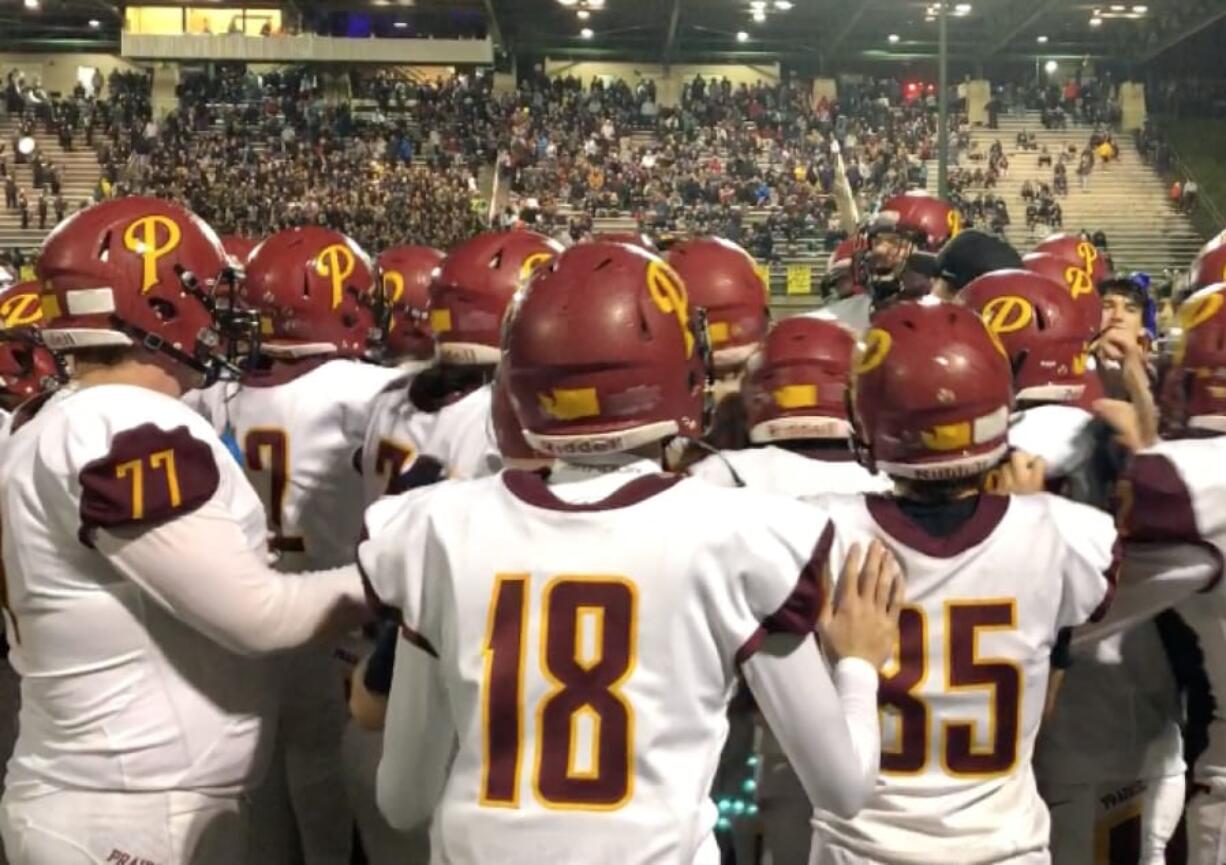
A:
x: 813, y: 32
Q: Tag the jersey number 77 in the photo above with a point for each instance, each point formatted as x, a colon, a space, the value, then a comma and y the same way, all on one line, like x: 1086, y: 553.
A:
x: 584, y: 748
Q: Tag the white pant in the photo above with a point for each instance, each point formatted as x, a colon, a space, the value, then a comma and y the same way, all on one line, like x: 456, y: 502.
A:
x: 1087, y: 821
x: 1206, y: 820
x: 824, y: 854
x: 95, y: 828
x: 301, y: 805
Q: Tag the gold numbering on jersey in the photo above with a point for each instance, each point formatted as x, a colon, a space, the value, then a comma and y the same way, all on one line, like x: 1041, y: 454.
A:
x: 872, y: 351
x: 1078, y: 281
x: 954, y: 220
x: 164, y: 460
x: 1007, y: 314
x: 570, y: 403
x: 141, y: 237
x: 336, y: 262
x: 532, y: 262
x: 668, y: 293
x: 21, y: 310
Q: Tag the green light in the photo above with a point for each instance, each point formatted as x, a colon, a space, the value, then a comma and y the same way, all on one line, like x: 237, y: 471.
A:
x: 723, y: 824
x: 724, y: 805
x: 750, y: 785
x: 738, y: 807
x: 752, y: 810
x: 753, y: 761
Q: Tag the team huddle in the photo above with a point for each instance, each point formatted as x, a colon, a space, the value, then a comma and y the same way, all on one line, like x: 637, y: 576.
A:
x: 483, y: 553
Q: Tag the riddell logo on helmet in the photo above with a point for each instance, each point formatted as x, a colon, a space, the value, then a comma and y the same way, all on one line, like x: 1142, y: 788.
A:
x: 141, y: 237
x: 582, y: 447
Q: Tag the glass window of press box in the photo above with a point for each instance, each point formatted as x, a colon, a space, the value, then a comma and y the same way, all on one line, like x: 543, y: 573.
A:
x: 197, y: 20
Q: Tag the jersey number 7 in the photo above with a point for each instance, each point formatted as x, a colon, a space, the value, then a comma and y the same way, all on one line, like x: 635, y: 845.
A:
x: 584, y: 749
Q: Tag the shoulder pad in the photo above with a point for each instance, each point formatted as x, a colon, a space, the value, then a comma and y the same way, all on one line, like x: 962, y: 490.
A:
x: 149, y: 475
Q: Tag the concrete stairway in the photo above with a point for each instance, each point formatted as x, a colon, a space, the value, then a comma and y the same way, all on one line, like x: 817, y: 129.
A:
x: 79, y: 173
x: 1126, y: 199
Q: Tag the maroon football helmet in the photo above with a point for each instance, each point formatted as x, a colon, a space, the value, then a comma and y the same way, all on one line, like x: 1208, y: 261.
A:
x: 1079, y: 250
x: 721, y: 279
x: 601, y: 353
x: 1038, y: 324
x: 1078, y: 284
x: 926, y: 220
x: 931, y: 393
x: 405, y: 273
x: 514, y: 448
x: 474, y: 285
x: 314, y: 289
x: 840, y: 276
x: 27, y: 368
x: 238, y: 248
x: 796, y: 384
x: 134, y: 271
x: 1194, y: 395
x: 642, y: 241
x: 1209, y: 266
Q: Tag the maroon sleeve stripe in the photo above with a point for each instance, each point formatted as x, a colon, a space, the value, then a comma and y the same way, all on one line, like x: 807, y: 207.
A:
x: 1161, y: 507
x: 1111, y: 575
x: 798, y: 613
x: 418, y: 640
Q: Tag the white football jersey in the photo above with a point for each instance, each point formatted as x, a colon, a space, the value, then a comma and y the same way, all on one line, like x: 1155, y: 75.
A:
x: 589, y: 650
x: 460, y: 435
x: 117, y: 694
x: 854, y: 312
x: 1057, y: 433
x: 209, y: 402
x: 962, y: 701
x: 300, y: 443
x: 6, y: 418
x: 1175, y: 491
x: 779, y: 470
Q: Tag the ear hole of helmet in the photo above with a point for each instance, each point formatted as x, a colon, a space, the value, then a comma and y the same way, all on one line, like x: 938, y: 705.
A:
x: 104, y: 248
x: 163, y: 309
x: 1040, y: 320
x: 602, y: 265
x: 1019, y: 362
x: 306, y: 285
x: 496, y: 260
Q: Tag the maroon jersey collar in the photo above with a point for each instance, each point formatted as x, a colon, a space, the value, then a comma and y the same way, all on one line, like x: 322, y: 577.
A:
x: 530, y: 487
x: 889, y: 516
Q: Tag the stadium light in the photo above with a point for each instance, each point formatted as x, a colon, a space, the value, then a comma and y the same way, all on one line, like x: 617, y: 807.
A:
x: 1042, y: 40
x: 892, y: 38
x: 962, y: 9
x: 1117, y: 7
x: 758, y: 5
x: 32, y: 4
x: 583, y: 14
x: 1051, y: 66
x: 586, y: 33
x: 1140, y: 10
x: 595, y: 4
x: 742, y: 36
x: 95, y: 23
x: 759, y: 16
x: 568, y: 2
x: 1096, y: 22
x: 400, y: 25
x: 783, y: 5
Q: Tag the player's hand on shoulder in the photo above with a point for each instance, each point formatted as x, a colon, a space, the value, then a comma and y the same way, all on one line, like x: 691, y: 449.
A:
x: 1123, y: 417
x: 1021, y: 474
x: 860, y: 620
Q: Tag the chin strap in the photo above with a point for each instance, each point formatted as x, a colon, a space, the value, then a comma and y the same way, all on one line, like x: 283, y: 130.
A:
x: 718, y: 454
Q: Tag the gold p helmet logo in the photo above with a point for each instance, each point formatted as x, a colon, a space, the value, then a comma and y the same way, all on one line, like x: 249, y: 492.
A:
x: 1007, y: 314
x: 1078, y: 281
x: 1195, y: 312
x: 1088, y: 253
x: 953, y: 219
x: 532, y: 262
x: 336, y: 262
x: 21, y: 310
x: 393, y: 286
x: 668, y: 293
x: 872, y: 352
x: 141, y: 237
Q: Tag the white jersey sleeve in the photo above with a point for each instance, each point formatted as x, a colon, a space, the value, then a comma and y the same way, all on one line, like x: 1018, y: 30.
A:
x: 1057, y: 433
x: 1093, y: 554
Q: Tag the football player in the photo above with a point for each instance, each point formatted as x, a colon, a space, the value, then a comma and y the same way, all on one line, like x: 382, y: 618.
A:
x: 1112, y: 750
x: 839, y: 278
x: 405, y: 273
x: 27, y: 368
x: 796, y: 400
x: 444, y: 410
x: 135, y: 579
x: 299, y: 419
x: 991, y: 582
x: 1209, y: 266
x: 643, y: 593
x: 912, y: 222
x: 1173, y: 491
